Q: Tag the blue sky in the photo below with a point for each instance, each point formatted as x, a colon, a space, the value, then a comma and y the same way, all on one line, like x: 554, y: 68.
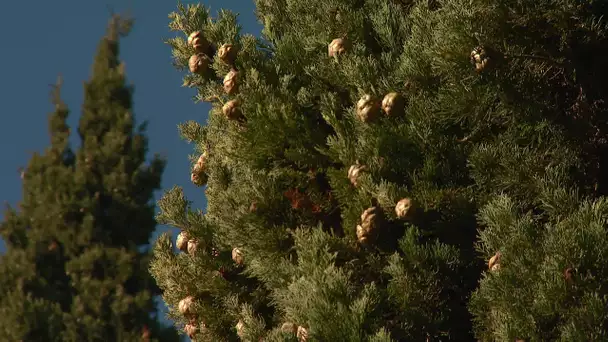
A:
x: 44, y: 39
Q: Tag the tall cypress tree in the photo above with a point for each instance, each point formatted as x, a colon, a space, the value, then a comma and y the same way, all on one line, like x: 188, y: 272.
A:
x: 74, y: 269
x: 386, y: 170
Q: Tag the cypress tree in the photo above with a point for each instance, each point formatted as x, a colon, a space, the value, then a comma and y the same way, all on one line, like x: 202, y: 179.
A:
x: 76, y: 265
x: 393, y: 171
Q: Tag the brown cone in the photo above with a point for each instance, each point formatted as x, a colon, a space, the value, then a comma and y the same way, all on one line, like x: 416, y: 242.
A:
x: 237, y: 256
x: 197, y: 41
x: 231, y: 85
x: 404, y: 208
x: 337, y: 47
x: 368, y: 109
x: 354, y: 172
x: 182, y: 241
x: 494, y: 263
x: 232, y: 110
x: 227, y: 53
x: 370, y: 222
x: 393, y: 104
x: 185, y: 305
x: 198, y: 64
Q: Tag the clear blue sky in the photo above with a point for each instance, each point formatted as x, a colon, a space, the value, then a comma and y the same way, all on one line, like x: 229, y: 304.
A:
x: 43, y: 39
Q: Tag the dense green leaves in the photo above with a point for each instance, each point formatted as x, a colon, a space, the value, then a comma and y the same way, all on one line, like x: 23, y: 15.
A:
x: 75, y: 269
x: 507, y: 156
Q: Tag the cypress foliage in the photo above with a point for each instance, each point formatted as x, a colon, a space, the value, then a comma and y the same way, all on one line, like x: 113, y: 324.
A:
x: 74, y: 269
x: 365, y: 160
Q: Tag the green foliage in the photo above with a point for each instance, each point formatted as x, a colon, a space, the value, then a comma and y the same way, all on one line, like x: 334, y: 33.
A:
x: 508, y: 156
x: 529, y: 297
x: 74, y: 269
